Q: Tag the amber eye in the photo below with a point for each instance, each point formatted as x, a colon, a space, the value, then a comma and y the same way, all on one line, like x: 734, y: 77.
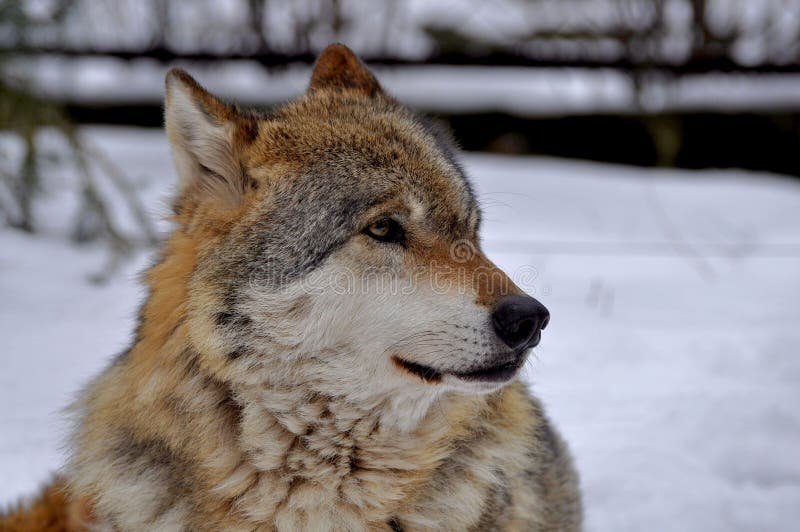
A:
x: 386, y: 230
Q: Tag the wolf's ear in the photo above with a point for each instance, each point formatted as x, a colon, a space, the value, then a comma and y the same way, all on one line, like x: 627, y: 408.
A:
x: 203, y: 133
x: 338, y: 68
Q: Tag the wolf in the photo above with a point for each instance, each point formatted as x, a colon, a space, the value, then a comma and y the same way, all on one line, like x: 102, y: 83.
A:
x: 324, y: 345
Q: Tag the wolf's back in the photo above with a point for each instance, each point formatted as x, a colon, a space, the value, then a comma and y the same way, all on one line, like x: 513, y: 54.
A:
x: 50, y: 511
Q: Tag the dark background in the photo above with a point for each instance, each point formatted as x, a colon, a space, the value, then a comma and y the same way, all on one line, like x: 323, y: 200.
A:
x: 703, y: 83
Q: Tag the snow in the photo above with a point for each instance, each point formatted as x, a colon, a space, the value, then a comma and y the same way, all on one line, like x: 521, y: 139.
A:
x: 670, y: 364
x: 758, y: 31
x: 443, y: 89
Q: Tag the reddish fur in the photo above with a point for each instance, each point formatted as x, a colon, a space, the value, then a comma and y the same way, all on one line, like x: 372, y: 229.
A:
x: 339, y: 68
x: 51, y: 511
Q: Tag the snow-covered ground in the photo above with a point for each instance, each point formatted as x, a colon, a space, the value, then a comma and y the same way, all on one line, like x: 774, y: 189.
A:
x: 671, y: 364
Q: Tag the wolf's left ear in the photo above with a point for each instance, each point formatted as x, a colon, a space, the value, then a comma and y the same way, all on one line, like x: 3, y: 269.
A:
x: 203, y: 132
x: 338, y: 68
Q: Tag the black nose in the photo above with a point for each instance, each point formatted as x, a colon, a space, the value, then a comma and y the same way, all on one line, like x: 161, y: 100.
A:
x: 519, y: 320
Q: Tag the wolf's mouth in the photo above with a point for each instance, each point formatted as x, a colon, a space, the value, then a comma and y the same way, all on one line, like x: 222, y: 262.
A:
x: 498, y: 373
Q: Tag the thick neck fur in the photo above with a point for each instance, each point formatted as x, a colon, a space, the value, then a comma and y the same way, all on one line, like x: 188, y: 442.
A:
x: 164, y: 421
x: 328, y: 460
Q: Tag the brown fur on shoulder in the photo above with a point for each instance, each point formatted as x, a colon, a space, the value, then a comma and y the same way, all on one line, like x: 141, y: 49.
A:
x: 52, y: 511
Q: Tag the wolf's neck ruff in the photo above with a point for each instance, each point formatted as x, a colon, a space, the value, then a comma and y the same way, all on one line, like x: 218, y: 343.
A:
x: 262, y: 452
x: 318, y: 453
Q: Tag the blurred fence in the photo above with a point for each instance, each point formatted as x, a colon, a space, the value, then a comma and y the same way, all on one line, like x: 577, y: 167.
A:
x: 691, y: 83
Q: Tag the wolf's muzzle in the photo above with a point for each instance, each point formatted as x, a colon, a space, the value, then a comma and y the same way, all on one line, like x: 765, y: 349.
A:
x: 519, y: 321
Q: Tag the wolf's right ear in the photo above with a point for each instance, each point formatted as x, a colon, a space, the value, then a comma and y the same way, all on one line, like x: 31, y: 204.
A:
x: 339, y: 69
x: 203, y: 131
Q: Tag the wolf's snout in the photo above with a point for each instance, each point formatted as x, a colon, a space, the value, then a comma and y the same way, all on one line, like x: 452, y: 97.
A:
x: 519, y: 320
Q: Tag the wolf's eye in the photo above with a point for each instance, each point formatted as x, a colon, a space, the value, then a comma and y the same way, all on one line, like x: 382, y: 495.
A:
x: 386, y: 230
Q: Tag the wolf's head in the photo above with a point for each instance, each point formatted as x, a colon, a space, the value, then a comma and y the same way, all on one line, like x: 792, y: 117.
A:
x: 336, y: 245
